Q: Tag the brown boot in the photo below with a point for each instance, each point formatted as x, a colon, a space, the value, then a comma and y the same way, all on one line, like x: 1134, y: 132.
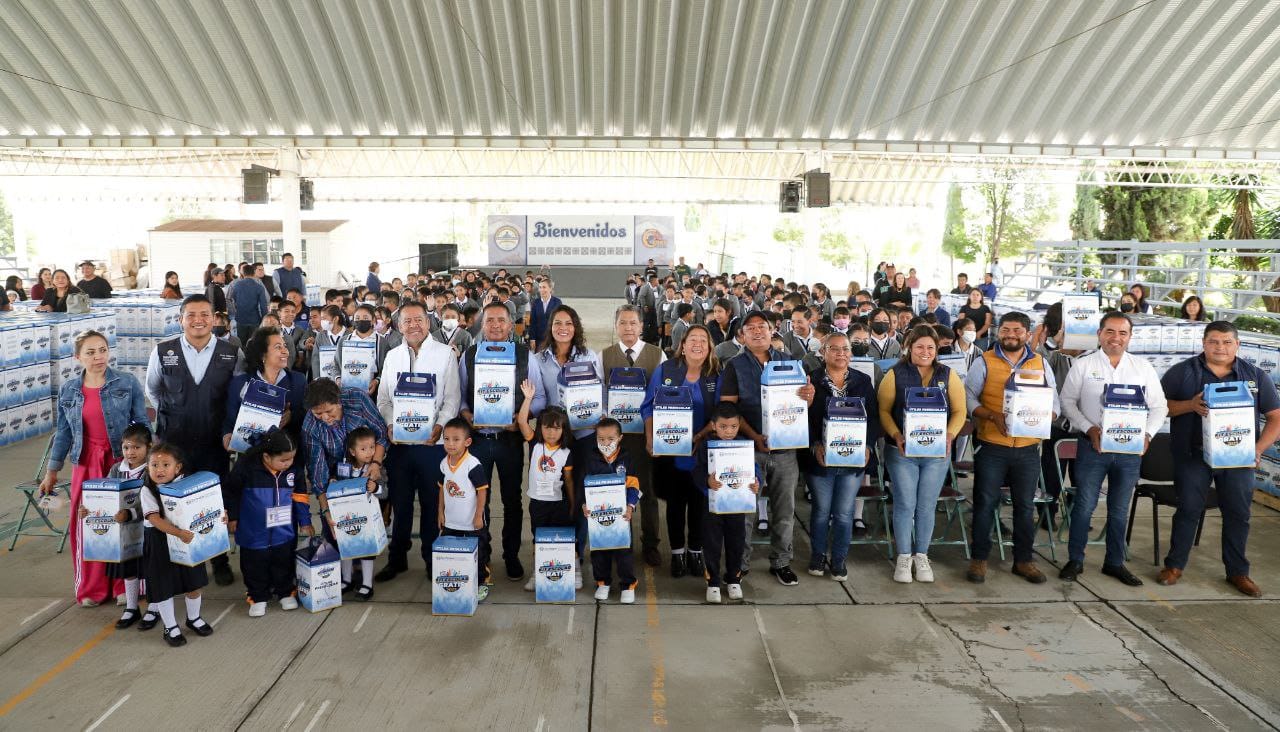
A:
x: 1169, y: 576
x: 1245, y: 585
x: 1029, y: 572
x: 977, y: 571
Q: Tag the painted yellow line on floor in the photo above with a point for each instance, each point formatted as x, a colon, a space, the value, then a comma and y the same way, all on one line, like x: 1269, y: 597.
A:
x: 1131, y: 714
x: 1161, y: 601
x: 1035, y: 655
x: 658, y: 686
x: 1078, y: 682
x: 58, y: 668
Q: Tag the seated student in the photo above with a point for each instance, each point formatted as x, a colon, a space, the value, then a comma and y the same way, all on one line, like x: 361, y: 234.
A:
x: 608, y: 456
x: 463, y: 496
x: 451, y: 331
x: 721, y: 532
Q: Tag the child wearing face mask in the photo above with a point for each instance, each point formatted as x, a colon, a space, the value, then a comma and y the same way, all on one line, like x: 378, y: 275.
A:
x: 324, y: 356
x: 451, y: 331
x: 608, y: 456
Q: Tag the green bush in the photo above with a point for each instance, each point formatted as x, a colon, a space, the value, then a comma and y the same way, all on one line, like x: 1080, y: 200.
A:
x: 1258, y: 324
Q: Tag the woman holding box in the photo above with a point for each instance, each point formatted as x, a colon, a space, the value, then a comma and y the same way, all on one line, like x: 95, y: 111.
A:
x: 917, y: 481
x: 566, y: 344
x: 266, y: 358
x: 834, y: 489
x: 696, y: 367
x: 93, y: 411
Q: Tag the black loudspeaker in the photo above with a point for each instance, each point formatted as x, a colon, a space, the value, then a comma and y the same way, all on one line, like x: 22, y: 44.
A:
x: 437, y: 257
x: 817, y: 189
x: 257, y: 185
x: 306, y: 195
x: 789, y: 196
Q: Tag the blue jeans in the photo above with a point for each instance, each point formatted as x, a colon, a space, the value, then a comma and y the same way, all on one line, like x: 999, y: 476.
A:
x: 916, y: 485
x: 832, y: 503
x: 995, y: 466
x: 1192, y: 480
x: 1121, y: 473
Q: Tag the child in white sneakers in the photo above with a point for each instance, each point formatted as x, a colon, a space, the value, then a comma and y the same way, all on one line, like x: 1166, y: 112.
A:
x: 721, y: 531
x: 608, y: 456
x: 463, y: 496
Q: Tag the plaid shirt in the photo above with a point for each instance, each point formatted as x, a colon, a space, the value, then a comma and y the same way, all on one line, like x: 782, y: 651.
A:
x: 325, y: 445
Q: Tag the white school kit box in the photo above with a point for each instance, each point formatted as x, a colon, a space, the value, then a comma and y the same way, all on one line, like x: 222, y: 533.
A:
x: 1028, y: 404
x: 784, y: 415
x: 865, y: 365
x: 328, y: 357
x: 319, y: 572
x: 1124, y: 419
x: 1081, y: 313
x: 194, y: 503
x: 733, y: 463
x: 357, y: 519
x: 582, y: 394
x: 454, y: 584
x: 957, y: 362
x: 554, y: 558
x: 625, y: 397
x: 260, y: 410
x: 413, y: 409
x: 606, y: 500
x: 924, y: 422
x: 673, y: 421
x: 358, y: 359
x: 1229, y: 432
x: 844, y: 433
x: 493, y: 395
x: 102, y: 538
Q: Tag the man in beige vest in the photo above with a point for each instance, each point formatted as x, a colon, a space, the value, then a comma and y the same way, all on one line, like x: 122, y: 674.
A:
x: 629, y: 350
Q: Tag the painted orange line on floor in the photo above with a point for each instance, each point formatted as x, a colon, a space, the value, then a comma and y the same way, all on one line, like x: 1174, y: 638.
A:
x: 1078, y: 682
x: 58, y: 668
x: 1161, y: 601
x: 1033, y: 653
x: 1131, y: 714
x: 658, y: 686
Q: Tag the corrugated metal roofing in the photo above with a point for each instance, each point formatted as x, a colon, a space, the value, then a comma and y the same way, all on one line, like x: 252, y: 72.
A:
x: 247, y: 226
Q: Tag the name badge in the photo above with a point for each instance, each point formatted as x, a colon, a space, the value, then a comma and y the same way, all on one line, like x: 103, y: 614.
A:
x: 279, y: 516
x: 544, y: 487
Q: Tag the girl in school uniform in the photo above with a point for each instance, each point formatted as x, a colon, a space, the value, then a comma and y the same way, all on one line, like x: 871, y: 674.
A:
x: 550, y: 471
x: 361, y: 444
x: 163, y: 579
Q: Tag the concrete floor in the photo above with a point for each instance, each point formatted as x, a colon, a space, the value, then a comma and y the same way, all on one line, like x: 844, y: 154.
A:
x: 869, y: 654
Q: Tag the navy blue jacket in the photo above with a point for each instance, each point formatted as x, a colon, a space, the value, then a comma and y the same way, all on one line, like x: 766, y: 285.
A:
x: 538, y: 317
x: 250, y: 489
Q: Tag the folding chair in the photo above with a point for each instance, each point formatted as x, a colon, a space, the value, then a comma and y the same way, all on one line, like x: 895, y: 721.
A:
x: 30, y: 490
x: 876, y: 494
x: 1042, y: 503
x: 1155, y: 481
x: 952, y: 501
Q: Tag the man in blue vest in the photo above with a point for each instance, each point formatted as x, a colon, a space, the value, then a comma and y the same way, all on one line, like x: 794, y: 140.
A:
x: 288, y: 277
x: 187, y: 380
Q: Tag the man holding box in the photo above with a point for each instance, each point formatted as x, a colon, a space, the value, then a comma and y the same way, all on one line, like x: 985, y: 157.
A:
x: 999, y: 458
x: 1184, y: 385
x: 415, y: 469
x: 1082, y: 402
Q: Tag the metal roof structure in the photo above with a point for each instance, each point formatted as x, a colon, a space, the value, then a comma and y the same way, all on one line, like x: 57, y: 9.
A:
x: 878, y: 88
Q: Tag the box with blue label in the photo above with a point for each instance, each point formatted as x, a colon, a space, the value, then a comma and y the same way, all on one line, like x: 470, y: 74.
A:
x: 1080, y: 315
x: 733, y: 463
x: 26, y: 344
x: 1124, y: 419
x: 103, y: 539
x: 261, y: 408
x: 581, y: 394
x: 673, y: 421
x: 493, y: 393
x: 413, y: 409
x: 844, y: 433
x: 924, y: 422
x: 454, y: 585
x: 194, y: 504
x: 554, y: 559
x: 864, y: 365
x: 328, y: 357
x: 606, y: 500
x: 319, y: 572
x: 626, y: 395
x: 957, y: 362
x: 358, y: 359
x: 357, y: 518
x: 784, y: 414
x: 1028, y: 404
x: 1229, y: 432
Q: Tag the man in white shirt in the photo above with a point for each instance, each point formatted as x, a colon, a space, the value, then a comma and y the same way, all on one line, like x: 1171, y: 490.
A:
x: 1082, y: 403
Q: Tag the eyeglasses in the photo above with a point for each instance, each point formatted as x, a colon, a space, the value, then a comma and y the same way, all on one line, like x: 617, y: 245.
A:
x: 839, y: 349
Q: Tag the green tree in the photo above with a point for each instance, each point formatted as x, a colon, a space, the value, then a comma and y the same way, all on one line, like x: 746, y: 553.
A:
x: 956, y: 241
x: 1086, y: 217
x: 788, y: 234
x: 6, y: 229
x: 1146, y: 213
x: 835, y: 248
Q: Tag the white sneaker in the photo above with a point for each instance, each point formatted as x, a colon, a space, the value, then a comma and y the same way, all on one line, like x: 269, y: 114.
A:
x: 289, y: 603
x: 577, y: 578
x: 902, y: 570
x: 735, y: 592
x: 713, y: 595
x: 528, y: 586
x: 602, y: 592
x: 924, y: 570
x: 257, y: 609
x: 628, y: 597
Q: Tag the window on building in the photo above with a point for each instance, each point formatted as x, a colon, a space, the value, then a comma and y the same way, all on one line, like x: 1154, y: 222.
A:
x: 267, y: 251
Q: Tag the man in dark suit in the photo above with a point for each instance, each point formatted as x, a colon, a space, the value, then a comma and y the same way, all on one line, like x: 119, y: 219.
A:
x: 540, y: 310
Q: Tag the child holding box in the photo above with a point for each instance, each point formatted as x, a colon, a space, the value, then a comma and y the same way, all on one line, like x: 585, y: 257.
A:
x: 362, y: 444
x: 550, y: 471
x: 725, y: 532
x: 463, y: 497
x: 609, y: 457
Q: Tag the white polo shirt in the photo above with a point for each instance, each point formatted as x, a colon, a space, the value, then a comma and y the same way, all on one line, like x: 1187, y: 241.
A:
x: 1088, y: 378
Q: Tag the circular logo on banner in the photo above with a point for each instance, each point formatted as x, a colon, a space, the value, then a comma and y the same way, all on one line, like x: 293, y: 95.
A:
x: 507, y: 237
x: 652, y: 239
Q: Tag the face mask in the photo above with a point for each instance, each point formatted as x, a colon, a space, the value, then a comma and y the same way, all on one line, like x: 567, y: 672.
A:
x: 860, y: 348
x: 219, y: 331
x: 364, y: 326
x: 841, y: 323
x: 879, y: 327
x: 380, y: 325
x: 969, y: 336
x: 1126, y: 307
x: 1051, y: 344
x: 449, y: 323
x: 326, y: 325
x: 606, y: 448
x: 944, y: 350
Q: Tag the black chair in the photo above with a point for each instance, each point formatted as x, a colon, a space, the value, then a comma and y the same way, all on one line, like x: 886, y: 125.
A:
x: 1155, y: 481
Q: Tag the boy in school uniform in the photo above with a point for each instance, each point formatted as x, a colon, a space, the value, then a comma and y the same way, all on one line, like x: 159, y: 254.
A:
x: 722, y: 533
x: 605, y: 457
x: 462, y: 496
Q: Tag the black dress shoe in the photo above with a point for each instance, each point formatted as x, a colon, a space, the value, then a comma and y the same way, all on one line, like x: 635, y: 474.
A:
x: 347, y: 587
x: 651, y: 556
x: 223, y: 575
x: 149, y: 621
x: 1070, y: 571
x: 1122, y: 573
x: 174, y: 637
x: 203, y: 630
x: 389, y: 572
x: 129, y: 617
x: 515, y: 570
x: 693, y: 564
x: 364, y: 594
x: 677, y: 565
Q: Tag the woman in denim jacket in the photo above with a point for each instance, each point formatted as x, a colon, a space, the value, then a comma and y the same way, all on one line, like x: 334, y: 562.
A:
x: 93, y: 411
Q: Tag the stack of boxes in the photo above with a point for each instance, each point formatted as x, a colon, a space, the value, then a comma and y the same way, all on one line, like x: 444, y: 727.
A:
x: 142, y: 321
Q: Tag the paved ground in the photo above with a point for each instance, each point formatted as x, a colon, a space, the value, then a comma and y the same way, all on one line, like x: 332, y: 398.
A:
x: 870, y: 654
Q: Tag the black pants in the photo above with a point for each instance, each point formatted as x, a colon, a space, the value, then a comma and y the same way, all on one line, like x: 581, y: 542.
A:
x: 602, y: 567
x: 505, y: 451
x: 413, y: 471
x: 268, y: 572
x: 543, y: 514
x: 729, y: 531
x: 484, y: 551
x: 685, y: 503
x: 650, y: 332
